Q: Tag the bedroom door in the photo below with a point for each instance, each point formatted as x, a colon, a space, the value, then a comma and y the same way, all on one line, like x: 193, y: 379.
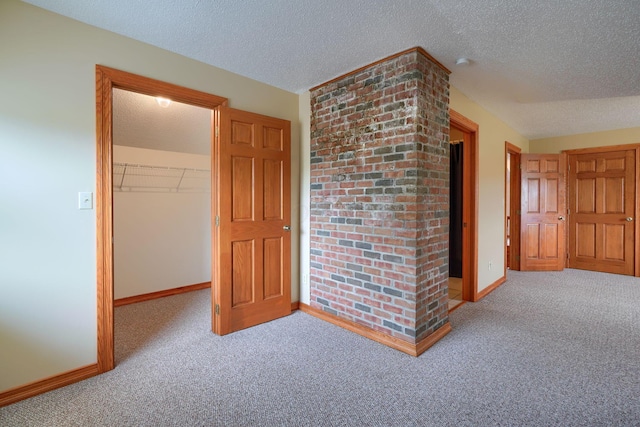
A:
x: 543, y: 212
x: 602, y: 205
x: 252, y: 280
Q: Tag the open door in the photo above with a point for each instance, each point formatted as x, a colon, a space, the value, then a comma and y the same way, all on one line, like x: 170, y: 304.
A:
x: 543, y: 212
x: 252, y: 250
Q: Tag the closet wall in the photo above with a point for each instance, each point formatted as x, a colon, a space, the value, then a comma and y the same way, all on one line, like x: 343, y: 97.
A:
x: 161, y: 194
x: 162, y: 220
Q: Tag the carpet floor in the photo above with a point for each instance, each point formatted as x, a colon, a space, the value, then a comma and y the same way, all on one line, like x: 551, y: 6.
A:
x: 544, y: 349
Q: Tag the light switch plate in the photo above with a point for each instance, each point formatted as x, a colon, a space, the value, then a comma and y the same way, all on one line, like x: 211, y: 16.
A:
x: 85, y: 200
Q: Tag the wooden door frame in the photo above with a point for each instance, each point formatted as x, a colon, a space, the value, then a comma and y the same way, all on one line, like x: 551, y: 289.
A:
x: 605, y: 149
x: 106, y: 80
x: 470, y: 207
x: 513, y: 208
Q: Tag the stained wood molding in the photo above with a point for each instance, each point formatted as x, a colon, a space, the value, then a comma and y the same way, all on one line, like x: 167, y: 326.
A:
x: 42, y: 386
x: 295, y: 305
x: 396, y: 343
x: 106, y: 80
x: 457, y: 307
x: 512, y: 209
x: 161, y: 294
x: 492, y: 287
x: 470, y: 186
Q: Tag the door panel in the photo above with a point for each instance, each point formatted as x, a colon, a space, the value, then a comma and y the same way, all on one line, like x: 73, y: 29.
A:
x: 272, y: 189
x: 253, y: 264
x: 542, y: 212
x: 273, y: 267
x: 242, y: 261
x: 241, y: 188
x: 602, y: 203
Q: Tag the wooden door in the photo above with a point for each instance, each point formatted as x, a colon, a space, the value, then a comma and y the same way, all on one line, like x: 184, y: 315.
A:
x: 543, y: 211
x: 513, y: 208
x: 252, y: 254
x: 602, y: 200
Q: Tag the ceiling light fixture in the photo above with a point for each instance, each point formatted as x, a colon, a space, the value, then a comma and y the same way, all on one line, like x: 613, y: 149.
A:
x: 163, y: 102
x: 462, y: 61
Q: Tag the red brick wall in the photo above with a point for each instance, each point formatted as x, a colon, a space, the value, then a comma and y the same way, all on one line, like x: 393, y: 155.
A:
x: 380, y: 196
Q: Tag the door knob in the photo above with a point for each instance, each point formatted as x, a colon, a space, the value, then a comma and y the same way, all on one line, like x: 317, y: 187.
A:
x: 629, y: 219
x: 286, y: 228
x: 561, y: 218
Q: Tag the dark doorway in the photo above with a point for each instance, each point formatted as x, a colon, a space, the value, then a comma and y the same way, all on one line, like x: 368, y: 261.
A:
x: 456, y: 208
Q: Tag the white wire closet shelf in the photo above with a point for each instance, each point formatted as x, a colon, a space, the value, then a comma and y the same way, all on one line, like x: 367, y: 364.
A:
x: 135, y: 177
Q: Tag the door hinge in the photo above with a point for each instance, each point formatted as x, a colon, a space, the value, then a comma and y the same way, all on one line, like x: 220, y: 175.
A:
x: 567, y: 255
x: 217, y: 221
x: 217, y: 131
x: 518, y: 212
x: 517, y: 257
x: 217, y: 309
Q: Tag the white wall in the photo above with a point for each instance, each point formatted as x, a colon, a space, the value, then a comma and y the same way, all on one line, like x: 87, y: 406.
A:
x: 305, y: 195
x: 491, y: 176
x: 162, y: 239
x: 47, y: 155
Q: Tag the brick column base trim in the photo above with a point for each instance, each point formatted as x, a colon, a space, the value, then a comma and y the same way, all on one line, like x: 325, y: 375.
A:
x: 396, y: 343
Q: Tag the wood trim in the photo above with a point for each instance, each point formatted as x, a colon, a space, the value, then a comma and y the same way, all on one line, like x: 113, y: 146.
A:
x: 216, y: 273
x: 153, y: 87
x: 51, y: 383
x: 388, y: 58
x: 492, y: 287
x: 104, y: 220
x: 512, y: 209
x: 564, y: 165
x: 604, y: 149
x: 295, y: 305
x: 396, y: 343
x: 457, y: 307
x: 636, y: 272
x: 470, y: 210
x: 462, y: 122
x: 433, y: 338
x: 106, y: 80
x: 161, y: 294
x: 512, y: 147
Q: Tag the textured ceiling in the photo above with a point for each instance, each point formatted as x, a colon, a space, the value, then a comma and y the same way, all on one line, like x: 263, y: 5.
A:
x: 138, y: 121
x: 546, y: 67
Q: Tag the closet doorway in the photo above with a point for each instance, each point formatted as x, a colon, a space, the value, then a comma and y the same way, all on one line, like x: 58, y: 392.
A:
x: 108, y: 80
x: 245, y: 291
x: 463, y: 210
x: 161, y: 204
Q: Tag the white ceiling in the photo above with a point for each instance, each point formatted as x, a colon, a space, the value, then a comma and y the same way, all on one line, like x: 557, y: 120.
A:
x: 545, y: 67
x: 139, y: 121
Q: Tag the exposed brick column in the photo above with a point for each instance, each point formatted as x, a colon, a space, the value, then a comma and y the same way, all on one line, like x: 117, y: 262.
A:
x: 380, y: 196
